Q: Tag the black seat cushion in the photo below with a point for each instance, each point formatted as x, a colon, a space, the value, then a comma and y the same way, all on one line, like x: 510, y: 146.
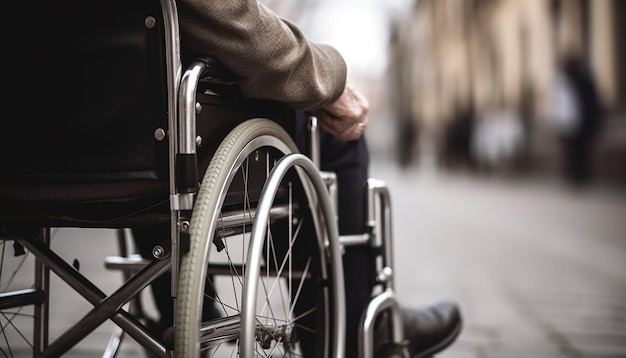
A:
x: 112, y: 204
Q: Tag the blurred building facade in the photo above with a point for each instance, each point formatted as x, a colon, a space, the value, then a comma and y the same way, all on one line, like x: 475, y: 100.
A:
x: 474, y: 77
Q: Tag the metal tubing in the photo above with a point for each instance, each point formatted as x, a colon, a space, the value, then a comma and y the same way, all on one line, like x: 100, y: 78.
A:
x: 117, y: 334
x: 352, y: 240
x: 330, y: 179
x: 228, y: 269
x: 255, y: 251
x: 19, y: 298
x: 66, y: 272
x: 236, y: 218
x: 42, y: 311
x: 174, y: 70
x: 106, y: 309
x: 314, y: 141
x: 91, y: 293
x: 187, y: 107
x: 383, y: 301
x: 378, y: 192
x: 380, y: 228
x: 114, y: 343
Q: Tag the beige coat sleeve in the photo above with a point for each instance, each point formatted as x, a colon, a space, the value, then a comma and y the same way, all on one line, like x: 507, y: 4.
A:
x: 270, y: 57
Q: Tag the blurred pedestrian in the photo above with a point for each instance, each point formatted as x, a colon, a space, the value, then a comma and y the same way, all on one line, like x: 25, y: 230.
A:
x: 577, y: 114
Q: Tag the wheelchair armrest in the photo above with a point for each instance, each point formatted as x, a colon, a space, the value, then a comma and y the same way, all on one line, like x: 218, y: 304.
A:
x: 217, y: 79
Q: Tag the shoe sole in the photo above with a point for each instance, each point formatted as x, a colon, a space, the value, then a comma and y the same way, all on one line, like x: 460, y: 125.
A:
x: 441, y: 345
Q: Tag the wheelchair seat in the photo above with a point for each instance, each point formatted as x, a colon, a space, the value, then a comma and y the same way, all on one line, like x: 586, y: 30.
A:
x: 90, y: 136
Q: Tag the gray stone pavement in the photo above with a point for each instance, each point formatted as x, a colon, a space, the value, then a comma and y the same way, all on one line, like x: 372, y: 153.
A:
x: 538, y: 270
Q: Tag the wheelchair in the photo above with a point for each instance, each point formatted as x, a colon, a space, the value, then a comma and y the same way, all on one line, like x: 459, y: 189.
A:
x: 114, y: 132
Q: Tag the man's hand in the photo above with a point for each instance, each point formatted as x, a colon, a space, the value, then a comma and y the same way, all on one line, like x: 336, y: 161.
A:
x: 346, y: 117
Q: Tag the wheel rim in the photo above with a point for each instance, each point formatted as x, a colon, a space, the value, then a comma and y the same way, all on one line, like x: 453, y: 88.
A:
x: 292, y: 267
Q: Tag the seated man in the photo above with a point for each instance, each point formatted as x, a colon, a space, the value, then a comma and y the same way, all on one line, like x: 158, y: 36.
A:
x: 272, y: 59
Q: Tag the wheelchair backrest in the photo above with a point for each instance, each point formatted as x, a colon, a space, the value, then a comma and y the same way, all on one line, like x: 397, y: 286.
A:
x: 85, y: 137
x: 88, y: 88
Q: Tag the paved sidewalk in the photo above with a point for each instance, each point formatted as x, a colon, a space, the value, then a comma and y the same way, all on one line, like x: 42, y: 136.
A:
x: 539, y: 270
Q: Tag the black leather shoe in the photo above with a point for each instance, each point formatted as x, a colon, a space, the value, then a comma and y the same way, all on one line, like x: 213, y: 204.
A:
x: 427, y: 329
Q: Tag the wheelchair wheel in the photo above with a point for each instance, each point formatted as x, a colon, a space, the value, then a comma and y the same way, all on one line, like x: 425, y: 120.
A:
x: 293, y: 314
x: 18, y: 299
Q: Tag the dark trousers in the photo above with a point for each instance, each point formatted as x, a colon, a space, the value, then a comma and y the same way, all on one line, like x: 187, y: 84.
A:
x: 350, y: 162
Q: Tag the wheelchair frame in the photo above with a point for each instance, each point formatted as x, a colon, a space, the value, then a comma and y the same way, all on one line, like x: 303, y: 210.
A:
x: 183, y: 178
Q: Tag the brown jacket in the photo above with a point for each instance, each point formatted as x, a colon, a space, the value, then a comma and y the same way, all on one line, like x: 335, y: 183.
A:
x: 270, y: 57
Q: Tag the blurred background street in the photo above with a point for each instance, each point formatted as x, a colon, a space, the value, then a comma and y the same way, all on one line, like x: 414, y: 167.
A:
x: 500, y: 128
x: 538, y: 270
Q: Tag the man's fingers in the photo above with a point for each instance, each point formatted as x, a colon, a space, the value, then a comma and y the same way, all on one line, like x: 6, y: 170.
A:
x: 342, y: 132
x: 346, y: 117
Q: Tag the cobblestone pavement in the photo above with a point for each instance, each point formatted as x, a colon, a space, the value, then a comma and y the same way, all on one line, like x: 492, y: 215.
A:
x: 539, y: 270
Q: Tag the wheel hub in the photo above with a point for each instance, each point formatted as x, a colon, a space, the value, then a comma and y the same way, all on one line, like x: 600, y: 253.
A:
x: 284, y: 334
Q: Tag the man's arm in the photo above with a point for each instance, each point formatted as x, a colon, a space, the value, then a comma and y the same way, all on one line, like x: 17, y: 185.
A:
x: 270, y: 57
